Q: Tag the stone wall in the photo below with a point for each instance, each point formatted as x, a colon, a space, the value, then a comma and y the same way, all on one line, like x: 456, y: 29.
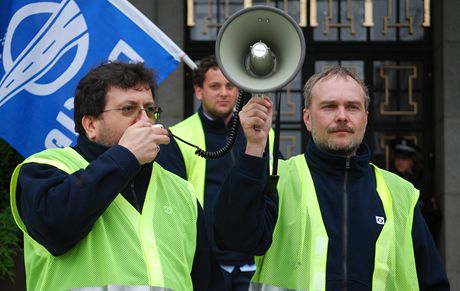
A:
x: 447, y: 126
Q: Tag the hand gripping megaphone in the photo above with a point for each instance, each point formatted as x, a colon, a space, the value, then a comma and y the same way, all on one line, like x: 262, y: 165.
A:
x: 260, y: 49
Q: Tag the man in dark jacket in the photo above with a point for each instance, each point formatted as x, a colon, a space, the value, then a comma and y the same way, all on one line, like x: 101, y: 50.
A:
x: 103, y: 214
x: 336, y: 222
x: 209, y: 129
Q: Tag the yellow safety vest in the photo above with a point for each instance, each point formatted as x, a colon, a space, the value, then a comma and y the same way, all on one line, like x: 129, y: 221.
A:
x: 191, y: 130
x: 125, y: 249
x: 297, y: 257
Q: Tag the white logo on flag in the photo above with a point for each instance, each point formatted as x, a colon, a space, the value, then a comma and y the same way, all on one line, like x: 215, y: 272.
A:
x: 64, y: 30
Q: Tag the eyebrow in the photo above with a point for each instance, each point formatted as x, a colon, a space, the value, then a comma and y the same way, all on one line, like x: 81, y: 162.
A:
x: 355, y: 103
x: 134, y: 102
x: 328, y: 102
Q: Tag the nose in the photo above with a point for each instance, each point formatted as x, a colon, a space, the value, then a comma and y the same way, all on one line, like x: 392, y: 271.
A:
x: 342, y: 114
x: 143, y: 115
x: 224, y: 91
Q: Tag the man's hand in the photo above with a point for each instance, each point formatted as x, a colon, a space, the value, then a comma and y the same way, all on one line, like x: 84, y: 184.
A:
x: 256, y: 121
x: 143, y: 140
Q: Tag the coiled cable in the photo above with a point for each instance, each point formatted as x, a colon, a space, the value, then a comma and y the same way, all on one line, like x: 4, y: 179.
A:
x: 212, y: 155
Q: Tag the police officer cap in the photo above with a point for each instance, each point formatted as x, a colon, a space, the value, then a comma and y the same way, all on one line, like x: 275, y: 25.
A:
x: 404, y: 146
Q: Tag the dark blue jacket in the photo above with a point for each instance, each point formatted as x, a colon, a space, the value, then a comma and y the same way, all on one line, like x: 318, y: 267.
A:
x: 216, y: 136
x: 58, y: 216
x: 243, y: 208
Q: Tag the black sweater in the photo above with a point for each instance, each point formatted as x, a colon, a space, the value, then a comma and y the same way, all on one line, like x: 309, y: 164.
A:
x: 58, y: 214
x: 243, y: 208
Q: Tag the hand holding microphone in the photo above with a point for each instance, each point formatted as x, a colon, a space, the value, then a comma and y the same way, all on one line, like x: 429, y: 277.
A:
x: 143, y: 140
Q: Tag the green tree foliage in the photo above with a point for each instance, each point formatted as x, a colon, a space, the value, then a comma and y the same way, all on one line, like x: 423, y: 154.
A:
x: 9, y: 233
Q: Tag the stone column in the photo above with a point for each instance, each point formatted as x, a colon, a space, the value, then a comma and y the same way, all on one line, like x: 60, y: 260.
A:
x: 447, y: 125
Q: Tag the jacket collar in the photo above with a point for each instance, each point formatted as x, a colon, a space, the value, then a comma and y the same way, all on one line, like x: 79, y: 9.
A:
x: 335, y: 164
x: 214, y: 125
x: 89, y: 149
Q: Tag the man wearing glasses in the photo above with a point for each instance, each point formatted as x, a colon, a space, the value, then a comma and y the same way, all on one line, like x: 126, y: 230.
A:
x: 102, y: 215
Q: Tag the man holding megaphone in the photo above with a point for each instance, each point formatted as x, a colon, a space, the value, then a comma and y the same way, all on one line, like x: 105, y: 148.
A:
x: 335, y: 221
x: 209, y: 129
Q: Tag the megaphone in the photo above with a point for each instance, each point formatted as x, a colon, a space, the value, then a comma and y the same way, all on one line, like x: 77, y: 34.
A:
x: 260, y: 49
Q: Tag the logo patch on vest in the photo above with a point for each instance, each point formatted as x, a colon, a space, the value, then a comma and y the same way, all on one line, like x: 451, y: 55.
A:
x: 380, y: 220
x: 167, y: 209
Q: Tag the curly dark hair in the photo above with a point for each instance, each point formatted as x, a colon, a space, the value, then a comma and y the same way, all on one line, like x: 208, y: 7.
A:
x: 91, y: 90
x: 204, y: 65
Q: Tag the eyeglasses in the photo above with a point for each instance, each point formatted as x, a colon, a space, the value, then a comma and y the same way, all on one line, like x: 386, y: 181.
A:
x: 152, y: 112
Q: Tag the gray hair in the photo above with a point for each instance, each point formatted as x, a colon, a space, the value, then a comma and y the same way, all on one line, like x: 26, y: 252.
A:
x: 327, y: 73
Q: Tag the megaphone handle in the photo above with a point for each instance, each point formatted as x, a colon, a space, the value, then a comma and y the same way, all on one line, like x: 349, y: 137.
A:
x: 272, y: 179
x: 276, y: 143
x: 258, y: 95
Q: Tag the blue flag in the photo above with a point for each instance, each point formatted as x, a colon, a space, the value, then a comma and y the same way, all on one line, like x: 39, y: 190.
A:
x: 46, y: 47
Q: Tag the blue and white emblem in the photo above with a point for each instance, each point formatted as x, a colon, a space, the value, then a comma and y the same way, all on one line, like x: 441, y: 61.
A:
x: 64, y: 30
x: 46, y: 47
x: 380, y: 220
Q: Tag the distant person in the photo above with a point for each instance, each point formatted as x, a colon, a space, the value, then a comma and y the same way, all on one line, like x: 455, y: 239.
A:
x: 406, y: 165
x: 336, y: 222
x: 405, y: 161
x: 103, y: 215
x: 209, y: 129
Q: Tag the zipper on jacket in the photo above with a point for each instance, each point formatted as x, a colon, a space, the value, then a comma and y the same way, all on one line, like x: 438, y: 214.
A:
x: 345, y: 226
x: 133, y: 193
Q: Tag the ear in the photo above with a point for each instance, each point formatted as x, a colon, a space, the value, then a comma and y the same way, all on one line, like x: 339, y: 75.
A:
x: 198, y: 92
x: 89, y: 124
x: 367, y: 118
x: 307, y: 118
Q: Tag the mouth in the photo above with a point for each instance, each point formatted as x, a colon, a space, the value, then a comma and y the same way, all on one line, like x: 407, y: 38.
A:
x: 342, y: 130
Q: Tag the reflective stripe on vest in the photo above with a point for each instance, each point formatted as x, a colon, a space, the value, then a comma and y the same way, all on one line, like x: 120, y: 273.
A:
x: 264, y: 287
x: 121, y: 288
x: 297, y: 257
x: 191, y: 130
x: 124, y: 247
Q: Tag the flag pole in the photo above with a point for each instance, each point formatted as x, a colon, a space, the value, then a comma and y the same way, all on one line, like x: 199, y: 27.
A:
x: 188, y: 61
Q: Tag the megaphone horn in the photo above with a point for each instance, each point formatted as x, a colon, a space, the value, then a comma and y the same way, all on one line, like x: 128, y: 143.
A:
x: 260, y: 49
